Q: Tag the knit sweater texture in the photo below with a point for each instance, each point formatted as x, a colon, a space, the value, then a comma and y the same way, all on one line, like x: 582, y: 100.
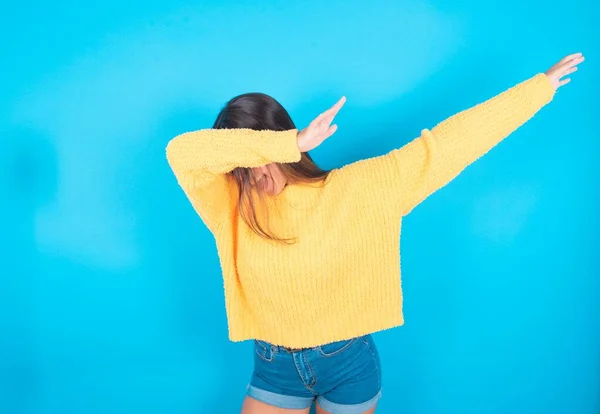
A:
x: 341, y: 278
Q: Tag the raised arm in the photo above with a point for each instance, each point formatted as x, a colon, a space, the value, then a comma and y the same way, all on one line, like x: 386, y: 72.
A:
x: 201, y: 159
x: 439, y: 155
x: 419, y: 168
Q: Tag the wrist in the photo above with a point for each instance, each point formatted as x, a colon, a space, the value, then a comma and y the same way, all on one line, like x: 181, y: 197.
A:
x: 300, y: 140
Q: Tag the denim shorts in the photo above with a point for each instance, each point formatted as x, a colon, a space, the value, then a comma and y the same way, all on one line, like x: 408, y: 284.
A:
x: 343, y: 377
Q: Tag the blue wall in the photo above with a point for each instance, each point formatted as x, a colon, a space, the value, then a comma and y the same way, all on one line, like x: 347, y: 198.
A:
x: 110, y: 294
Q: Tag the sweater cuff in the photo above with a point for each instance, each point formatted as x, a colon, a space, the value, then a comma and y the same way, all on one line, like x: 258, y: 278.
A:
x: 288, y: 146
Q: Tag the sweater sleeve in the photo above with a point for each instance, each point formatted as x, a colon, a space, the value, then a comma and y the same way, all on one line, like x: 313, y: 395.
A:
x: 201, y: 159
x: 438, y: 156
x: 416, y: 170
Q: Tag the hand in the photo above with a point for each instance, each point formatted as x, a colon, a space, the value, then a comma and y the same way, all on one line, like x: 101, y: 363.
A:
x: 320, y: 128
x: 566, y: 66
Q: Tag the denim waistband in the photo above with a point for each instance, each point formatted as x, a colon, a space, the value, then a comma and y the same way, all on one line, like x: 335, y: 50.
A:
x: 276, y: 348
x: 285, y: 348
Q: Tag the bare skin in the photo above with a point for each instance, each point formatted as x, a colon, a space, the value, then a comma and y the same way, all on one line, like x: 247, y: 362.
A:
x: 252, y: 406
x: 273, y: 180
x: 321, y: 411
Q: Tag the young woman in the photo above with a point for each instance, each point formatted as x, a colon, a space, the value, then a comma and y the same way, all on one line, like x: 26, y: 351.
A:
x: 310, y: 258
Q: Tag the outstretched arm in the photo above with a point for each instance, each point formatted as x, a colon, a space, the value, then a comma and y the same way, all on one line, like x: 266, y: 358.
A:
x: 438, y: 156
x: 432, y: 160
x: 419, y: 168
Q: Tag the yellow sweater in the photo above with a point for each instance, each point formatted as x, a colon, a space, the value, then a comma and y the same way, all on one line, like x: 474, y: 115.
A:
x: 341, y: 278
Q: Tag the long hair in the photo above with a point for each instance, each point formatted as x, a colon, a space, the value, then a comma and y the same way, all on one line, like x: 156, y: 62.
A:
x: 259, y: 111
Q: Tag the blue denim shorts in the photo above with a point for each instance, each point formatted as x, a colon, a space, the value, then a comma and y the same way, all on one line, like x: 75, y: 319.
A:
x: 343, y: 377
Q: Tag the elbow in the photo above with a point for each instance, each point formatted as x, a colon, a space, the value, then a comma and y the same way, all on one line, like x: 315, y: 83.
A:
x: 171, y: 151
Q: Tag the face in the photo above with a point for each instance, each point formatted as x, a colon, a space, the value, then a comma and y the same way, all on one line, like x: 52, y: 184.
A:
x: 269, y: 178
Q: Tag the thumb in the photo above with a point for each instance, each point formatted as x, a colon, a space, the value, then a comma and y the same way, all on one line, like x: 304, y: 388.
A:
x: 331, y: 130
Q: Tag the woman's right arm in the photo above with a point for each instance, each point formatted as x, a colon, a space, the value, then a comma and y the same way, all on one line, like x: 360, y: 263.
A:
x: 201, y: 159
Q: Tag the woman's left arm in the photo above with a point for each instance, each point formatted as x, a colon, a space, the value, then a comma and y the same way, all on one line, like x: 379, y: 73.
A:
x: 436, y: 157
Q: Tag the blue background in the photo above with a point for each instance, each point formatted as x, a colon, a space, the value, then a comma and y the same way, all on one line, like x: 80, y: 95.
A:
x: 110, y: 293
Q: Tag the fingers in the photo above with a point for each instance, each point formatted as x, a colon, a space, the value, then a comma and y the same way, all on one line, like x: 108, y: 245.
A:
x: 331, y: 130
x: 565, y: 67
x: 333, y: 111
x: 574, y: 61
x: 573, y: 69
x: 570, y: 57
x: 338, y: 105
x: 564, y: 82
x: 569, y: 63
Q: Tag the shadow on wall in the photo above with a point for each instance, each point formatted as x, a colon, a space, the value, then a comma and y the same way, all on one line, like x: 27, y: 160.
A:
x: 28, y: 182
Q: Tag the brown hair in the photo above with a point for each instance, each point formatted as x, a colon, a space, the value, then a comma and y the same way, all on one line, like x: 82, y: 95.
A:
x: 259, y: 111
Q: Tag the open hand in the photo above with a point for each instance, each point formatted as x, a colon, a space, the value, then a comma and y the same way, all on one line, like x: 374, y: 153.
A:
x: 566, y: 66
x: 320, y: 128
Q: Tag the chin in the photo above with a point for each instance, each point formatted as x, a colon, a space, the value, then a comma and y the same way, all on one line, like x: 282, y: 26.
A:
x: 268, y: 188
x: 273, y: 190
